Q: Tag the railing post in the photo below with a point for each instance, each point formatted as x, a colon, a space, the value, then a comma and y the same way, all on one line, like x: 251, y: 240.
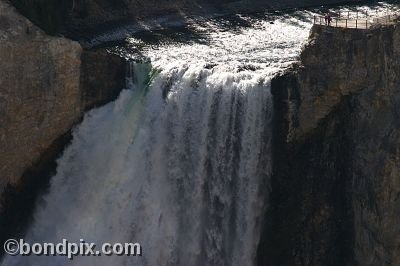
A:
x: 314, y: 19
x: 383, y: 20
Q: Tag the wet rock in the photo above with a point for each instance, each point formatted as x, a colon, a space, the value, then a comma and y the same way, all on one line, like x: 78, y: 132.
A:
x: 247, y: 67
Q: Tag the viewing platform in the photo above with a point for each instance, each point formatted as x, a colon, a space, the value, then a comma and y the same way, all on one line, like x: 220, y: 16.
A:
x: 362, y: 22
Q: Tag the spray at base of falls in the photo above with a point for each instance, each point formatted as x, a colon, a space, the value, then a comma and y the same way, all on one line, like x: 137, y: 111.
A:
x: 178, y: 163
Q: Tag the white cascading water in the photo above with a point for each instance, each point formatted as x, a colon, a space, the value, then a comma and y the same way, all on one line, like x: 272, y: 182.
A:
x: 180, y: 166
x: 180, y: 162
x: 178, y: 172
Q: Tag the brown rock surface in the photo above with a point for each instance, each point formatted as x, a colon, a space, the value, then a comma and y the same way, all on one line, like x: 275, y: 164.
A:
x: 39, y: 91
x: 46, y: 83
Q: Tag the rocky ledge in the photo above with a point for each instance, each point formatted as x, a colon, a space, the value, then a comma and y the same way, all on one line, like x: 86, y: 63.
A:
x: 336, y: 180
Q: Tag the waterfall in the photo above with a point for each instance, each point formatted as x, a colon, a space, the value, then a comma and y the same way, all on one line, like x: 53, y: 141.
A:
x: 179, y: 163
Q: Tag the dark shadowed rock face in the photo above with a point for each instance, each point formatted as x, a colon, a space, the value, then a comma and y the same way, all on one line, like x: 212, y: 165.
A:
x: 102, y: 77
x: 336, y: 185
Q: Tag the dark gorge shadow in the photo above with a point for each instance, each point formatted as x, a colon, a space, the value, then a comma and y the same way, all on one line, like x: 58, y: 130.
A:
x: 19, y: 201
x: 310, y: 219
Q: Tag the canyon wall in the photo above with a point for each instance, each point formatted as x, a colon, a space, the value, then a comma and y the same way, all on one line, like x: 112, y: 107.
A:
x: 75, y: 16
x: 46, y: 84
x: 336, y: 184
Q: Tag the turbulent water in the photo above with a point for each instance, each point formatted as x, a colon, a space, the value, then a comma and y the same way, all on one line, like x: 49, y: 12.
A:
x: 180, y: 162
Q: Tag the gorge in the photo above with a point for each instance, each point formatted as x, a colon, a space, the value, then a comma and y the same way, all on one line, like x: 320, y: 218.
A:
x: 237, y: 147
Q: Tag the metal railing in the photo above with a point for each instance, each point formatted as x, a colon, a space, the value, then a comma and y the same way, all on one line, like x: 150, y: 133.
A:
x: 357, y: 23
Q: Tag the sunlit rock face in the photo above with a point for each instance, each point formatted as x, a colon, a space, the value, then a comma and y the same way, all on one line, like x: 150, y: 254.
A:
x: 336, y: 182
x: 46, y: 83
x: 39, y: 91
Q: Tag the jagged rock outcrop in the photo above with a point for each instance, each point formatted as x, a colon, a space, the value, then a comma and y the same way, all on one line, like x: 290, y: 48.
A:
x: 336, y: 182
x: 46, y: 84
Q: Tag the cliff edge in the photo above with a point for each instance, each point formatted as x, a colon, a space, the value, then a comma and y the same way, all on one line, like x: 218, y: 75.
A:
x: 336, y: 180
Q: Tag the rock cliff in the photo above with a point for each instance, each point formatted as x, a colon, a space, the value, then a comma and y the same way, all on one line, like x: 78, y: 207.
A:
x: 39, y: 91
x: 336, y: 183
x: 46, y: 83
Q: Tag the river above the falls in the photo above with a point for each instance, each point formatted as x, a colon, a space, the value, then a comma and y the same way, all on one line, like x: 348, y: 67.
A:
x: 181, y: 161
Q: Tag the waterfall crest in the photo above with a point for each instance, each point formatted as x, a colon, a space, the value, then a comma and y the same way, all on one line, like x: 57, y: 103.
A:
x: 181, y: 161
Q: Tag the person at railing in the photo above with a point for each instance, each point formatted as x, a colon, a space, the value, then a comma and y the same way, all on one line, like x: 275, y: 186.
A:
x: 329, y: 19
